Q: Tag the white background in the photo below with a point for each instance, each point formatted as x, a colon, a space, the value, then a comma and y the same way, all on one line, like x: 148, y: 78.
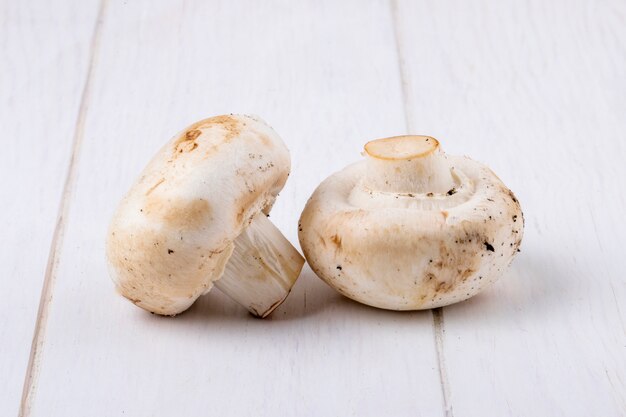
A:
x: 89, y: 90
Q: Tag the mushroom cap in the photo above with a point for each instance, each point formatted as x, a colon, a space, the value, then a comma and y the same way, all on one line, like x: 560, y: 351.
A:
x: 173, y: 233
x: 405, y: 251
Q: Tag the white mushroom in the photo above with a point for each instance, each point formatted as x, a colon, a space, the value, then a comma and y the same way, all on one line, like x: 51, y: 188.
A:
x: 409, y: 227
x: 197, y: 216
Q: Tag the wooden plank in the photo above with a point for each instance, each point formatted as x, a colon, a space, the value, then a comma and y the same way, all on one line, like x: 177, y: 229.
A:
x: 44, y: 53
x: 325, y: 76
x: 536, y: 90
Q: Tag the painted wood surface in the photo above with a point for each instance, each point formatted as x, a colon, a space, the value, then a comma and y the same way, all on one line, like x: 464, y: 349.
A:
x: 537, y: 91
x: 44, y: 51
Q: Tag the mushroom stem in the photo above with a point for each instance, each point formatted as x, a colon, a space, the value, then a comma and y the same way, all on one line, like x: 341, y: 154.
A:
x: 262, y: 269
x: 407, y: 164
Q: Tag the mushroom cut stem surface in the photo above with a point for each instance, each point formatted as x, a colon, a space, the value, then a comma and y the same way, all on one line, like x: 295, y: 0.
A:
x: 407, y: 164
x: 262, y: 269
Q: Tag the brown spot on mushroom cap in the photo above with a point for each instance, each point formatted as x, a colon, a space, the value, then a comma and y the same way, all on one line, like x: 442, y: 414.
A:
x: 443, y: 286
x: 466, y: 274
x: 192, y: 134
x: 227, y: 122
x: 336, y: 239
x: 188, y: 214
x: 186, y: 146
x: 187, y: 141
x: 180, y: 214
x: 444, y: 274
x: 265, y: 140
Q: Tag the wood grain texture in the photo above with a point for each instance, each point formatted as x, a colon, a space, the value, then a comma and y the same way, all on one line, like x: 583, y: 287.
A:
x: 537, y: 90
x: 44, y: 51
x: 325, y: 75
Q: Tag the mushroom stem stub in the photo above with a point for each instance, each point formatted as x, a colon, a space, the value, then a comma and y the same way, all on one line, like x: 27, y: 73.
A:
x: 407, y: 164
x: 262, y: 269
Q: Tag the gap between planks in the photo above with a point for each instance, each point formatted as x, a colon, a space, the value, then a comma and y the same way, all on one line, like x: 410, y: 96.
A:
x: 438, y: 331
x: 437, y: 314
x: 34, y: 360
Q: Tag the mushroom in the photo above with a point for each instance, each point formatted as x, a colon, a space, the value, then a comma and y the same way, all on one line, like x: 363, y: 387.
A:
x: 197, y: 216
x: 410, y: 228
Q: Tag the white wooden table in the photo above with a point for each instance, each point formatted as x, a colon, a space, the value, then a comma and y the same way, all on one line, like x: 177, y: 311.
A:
x: 89, y: 90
